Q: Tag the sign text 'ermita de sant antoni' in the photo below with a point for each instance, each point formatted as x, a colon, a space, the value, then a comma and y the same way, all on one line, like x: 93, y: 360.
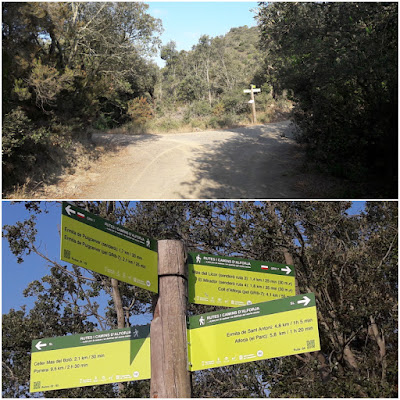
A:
x: 265, y: 330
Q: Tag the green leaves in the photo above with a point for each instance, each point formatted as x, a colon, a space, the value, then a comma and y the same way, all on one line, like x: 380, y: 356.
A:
x: 330, y: 55
x: 67, y: 62
x: 21, y: 237
x: 348, y: 261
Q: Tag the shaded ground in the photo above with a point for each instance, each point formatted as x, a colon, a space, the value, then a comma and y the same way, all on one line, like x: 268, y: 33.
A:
x: 256, y: 162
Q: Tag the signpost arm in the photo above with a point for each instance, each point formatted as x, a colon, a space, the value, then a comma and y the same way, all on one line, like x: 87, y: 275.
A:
x: 170, y: 377
x: 289, y: 260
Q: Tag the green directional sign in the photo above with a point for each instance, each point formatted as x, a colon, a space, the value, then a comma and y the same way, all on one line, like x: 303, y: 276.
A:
x: 232, y: 282
x: 88, y: 359
x: 266, y: 330
x: 107, y: 248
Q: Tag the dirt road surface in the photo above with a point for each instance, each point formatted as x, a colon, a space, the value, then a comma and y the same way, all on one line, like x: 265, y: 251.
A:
x: 255, y: 162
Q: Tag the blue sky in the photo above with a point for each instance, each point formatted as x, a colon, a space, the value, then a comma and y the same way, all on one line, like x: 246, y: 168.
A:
x: 185, y: 22
x: 16, y: 277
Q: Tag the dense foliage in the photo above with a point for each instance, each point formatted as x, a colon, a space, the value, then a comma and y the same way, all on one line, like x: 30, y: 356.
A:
x: 339, y: 60
x: 67, y: 66
x: 214, y: 68
x: 348, y: 261
x: 71, y: 66
x: 206, y: 83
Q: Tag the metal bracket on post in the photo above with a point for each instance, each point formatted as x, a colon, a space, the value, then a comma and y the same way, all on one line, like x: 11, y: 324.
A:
x: 170, y: 377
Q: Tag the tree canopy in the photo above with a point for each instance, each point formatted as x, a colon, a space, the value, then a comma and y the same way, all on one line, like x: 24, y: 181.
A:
x: 66, y: 67
x: 339, y: 62
x: 215, y: 68
x: 71, y: 67
x: 348, y: 261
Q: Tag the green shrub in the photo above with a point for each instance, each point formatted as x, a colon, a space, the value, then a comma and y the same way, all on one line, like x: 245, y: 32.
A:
x: 198, y: 123
x: 139, y: 110
x: 214, y: 123
x: 200, y: 108
x: 235, y: 103
x: 219, y: 109
x: 19, y: 135
x: 22, y: 145
x: 191, y: 88
x: 103, y: 122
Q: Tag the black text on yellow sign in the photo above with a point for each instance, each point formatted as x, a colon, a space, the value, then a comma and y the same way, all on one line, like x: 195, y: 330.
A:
x: 88, y: 359
x: 107, y: 248
x: 261, y: 331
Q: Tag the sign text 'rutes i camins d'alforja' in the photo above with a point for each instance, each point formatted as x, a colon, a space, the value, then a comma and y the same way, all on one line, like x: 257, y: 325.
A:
x: 265, y: 330
x: 94, y: 358
x: 107, y: 248
x: 232, y: 282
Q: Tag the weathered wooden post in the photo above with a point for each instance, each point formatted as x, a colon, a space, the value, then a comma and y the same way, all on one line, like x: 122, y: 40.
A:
x: 253, y: 90
x: 253, y: 105
x: 170, y: 377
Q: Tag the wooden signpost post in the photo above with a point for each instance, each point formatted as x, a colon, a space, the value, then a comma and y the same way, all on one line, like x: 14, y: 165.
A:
x: 170, y: 377
x: 253, y: 90
x: 178, y: 344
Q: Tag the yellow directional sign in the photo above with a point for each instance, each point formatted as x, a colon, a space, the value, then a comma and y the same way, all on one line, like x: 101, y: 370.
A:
x: 107, y: 248
x: 252, y: 333
x: 232, y: 282
x: 88, y: 359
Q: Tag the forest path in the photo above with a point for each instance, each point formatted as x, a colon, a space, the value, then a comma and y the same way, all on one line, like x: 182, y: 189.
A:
x: 253, y: 162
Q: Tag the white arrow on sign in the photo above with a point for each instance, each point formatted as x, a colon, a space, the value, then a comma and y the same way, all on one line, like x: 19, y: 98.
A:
x: 286, y: 269
x: 69, y: 210
x: 305, y: 301
x: 39, y: 345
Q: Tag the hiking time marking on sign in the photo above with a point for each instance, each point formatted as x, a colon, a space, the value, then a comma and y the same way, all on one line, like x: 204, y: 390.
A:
x: 232, y: 282
x: 87, y: 359
x: 107, y: 248
x: 266, y: 330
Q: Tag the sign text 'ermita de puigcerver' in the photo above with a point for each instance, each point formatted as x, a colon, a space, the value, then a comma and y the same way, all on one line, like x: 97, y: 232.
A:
x: 107, y: 248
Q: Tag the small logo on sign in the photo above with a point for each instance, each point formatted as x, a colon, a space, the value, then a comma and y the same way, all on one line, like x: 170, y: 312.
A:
x: 198, y: 259
x: 249, y: 302
x: 136, y: 374
x: 260, y: 353
x: 148, y: 283
x: 202, y: 321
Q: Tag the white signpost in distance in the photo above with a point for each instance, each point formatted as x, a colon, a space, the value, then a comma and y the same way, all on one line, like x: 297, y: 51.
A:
x: 253, y: 90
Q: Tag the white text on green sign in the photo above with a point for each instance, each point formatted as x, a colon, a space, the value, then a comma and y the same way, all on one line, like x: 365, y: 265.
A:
x: 265, y: 330
x: 95, y: 358
x: 233, y: 282
x: 107, y: 248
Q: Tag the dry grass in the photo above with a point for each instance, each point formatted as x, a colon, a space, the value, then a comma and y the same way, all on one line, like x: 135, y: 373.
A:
x: 61, y: 162
x: 47, y: 180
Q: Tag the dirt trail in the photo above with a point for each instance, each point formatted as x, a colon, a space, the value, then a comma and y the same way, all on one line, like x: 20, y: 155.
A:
x: 256, y: 162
